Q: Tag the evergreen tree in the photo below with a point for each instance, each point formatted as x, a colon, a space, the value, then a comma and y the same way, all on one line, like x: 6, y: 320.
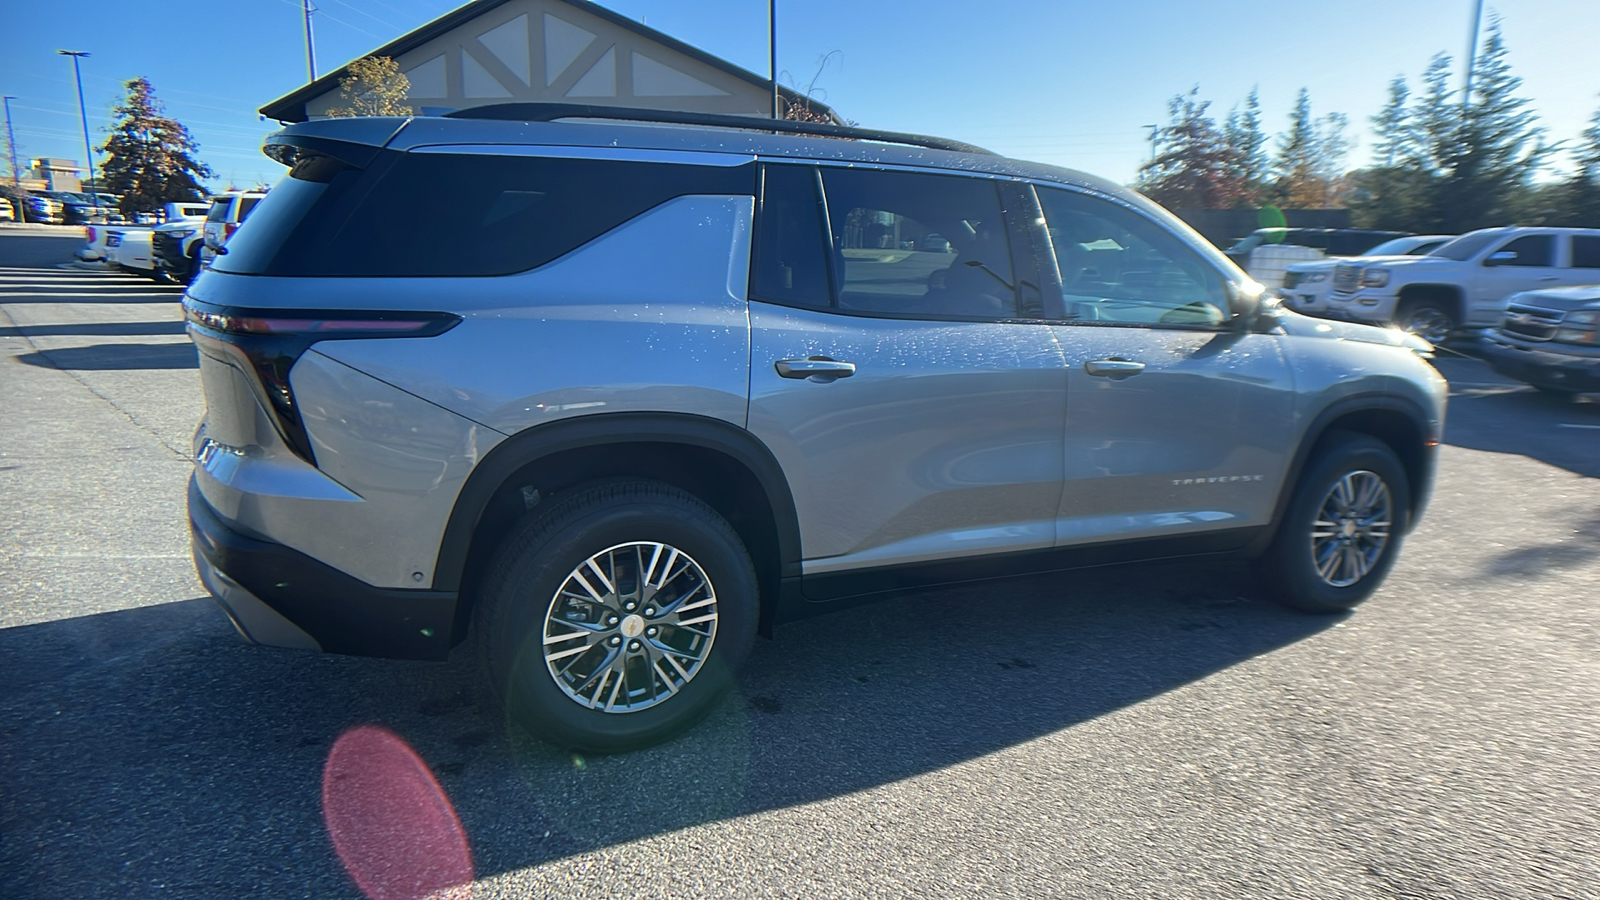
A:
x: 1396, y: 139
x: 1499, y: 147
x: 1417, y: 144
x: 1582, y: 195
x: 373, y: 86
x: 1311, y: 157
x: 1194, y: 167
x: 1242, y: 134
x: 150, y: 157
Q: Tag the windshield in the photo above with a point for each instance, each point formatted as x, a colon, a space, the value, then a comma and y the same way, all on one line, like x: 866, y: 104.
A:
x: 1396, y: 247
x: 1467, y: 246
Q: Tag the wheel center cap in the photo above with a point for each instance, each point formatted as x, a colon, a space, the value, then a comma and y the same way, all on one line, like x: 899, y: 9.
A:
x: 1349, y: 528
x: 633, y: 626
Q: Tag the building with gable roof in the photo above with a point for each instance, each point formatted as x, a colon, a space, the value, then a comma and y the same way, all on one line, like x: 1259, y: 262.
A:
x: 559, y: 51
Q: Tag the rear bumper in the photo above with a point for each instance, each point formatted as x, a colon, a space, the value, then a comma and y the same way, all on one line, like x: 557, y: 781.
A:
x: 280, y: 597
x: 1541, y: 368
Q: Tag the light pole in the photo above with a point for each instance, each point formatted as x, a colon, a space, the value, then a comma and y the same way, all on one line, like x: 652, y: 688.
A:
x: 88, y: 151
x: 11, y: 145
x: 311, y: 46
x: 1472, y: 52
x: 772, y: 54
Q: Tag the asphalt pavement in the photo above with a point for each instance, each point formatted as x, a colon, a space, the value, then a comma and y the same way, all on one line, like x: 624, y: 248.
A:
x: 1136, y: 732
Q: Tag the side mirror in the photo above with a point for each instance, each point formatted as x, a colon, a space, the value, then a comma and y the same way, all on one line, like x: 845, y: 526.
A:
x: 1245, y: 300
x: 1501, y: 258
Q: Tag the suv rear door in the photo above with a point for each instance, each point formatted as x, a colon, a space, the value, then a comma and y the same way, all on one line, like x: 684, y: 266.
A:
x: 1177, y: 422
x: 916, y: 413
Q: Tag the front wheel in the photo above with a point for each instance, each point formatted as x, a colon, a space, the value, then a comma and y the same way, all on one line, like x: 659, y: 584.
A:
x: 1341, y: 532
x: 615, y: 619
x: 1432, y: 321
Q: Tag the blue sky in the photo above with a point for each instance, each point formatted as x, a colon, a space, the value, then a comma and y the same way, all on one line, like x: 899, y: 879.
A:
x: 1069, y: 82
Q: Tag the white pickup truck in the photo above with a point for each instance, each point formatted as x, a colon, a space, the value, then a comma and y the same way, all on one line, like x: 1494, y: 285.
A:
x: 128, y: 247
x: 1465, y: 283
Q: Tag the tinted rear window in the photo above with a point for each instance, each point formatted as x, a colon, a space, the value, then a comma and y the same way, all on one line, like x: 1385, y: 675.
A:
x: 218, y: 211
x: 442, y: 214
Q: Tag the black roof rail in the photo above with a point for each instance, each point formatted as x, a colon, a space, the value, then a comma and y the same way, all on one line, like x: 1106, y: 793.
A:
x: 549, y: 112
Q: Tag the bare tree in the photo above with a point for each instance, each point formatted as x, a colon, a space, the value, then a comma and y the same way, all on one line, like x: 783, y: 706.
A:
x: 374, y: 86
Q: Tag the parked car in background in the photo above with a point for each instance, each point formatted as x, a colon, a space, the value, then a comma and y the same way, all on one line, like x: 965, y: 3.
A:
x: 41, y: 210
x: 1550, y: 339
x: 228, y: 211
x: 8, y: 213
x: 131, y: 248
x: 1306, y: 285
x: 1331, y: 241
x: 1267, y: 253
x: 127, y: 249
x: 79, y: 208
x: 175, y: 247
x: 1464, y: 283
x: 649, y: 389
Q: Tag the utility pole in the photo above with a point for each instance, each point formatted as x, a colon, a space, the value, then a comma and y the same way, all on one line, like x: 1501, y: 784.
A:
x: 311, y: 46
x: 83, y: 114
x: 1155, y: 132
x: 1472, y: 53
x: 11, y: 144
x: 772, y: 54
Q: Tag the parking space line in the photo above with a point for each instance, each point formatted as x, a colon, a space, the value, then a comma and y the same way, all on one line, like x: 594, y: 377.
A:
x: 1566, y: 425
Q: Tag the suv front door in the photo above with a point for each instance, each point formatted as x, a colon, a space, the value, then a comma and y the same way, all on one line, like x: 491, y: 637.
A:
x: 1177, y: 421
x: 916, y: 415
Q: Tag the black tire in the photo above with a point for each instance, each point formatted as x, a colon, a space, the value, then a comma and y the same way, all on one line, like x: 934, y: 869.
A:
x: 1289, y: 566
x: 1430, y: 319
x: 194, y: 265
x: 543, y: 552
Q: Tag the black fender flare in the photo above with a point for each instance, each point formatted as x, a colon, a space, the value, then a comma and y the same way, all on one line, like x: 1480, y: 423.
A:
x: 1309, y: 438
x: 530, y: 445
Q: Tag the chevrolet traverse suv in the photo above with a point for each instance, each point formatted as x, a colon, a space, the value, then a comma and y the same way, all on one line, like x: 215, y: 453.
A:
x: 650, y: 389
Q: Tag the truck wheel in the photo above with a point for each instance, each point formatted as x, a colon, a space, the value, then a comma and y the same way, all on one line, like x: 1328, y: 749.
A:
x: 1431, y: 320
x: 615, y: 619
x: 194, y: 266
x: 1342, y: 529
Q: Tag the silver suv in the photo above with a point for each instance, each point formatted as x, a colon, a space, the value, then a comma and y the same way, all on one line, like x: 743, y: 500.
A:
x: 648, y: 391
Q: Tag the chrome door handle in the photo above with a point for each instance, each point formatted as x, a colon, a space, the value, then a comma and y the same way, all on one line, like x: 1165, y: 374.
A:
x: 820, y: 369
x: 1113, y: 368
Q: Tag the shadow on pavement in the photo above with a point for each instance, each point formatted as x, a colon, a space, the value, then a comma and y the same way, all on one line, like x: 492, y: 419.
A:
x: 102, y: 357
x: 110, y: 329
x: 196, y: 761
x: 1528, y: 423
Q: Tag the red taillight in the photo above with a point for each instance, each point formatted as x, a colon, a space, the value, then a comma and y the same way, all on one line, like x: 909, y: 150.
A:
x: 90, y: 233
x: 228, y: 229
x: 396, y: 326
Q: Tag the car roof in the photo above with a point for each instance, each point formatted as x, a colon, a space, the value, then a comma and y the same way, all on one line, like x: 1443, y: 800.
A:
x: 424, y: 131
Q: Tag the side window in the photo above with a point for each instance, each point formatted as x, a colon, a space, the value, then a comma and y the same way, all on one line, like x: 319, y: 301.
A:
x: 911, y: 244
x: 246, y: 204
x: 426, y: 214
x: 1585, y: 252
x: 1531, y: 250
x: 790, y: 264
x: 1119, y: 268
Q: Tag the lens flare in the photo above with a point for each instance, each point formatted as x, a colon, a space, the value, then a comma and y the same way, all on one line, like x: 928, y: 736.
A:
x: 394, y: 828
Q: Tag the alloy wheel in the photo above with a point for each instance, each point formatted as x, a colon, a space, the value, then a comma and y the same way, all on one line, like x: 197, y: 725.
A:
x: 630, y: 627
x: 1430, y: 324
x: 1351, y: 529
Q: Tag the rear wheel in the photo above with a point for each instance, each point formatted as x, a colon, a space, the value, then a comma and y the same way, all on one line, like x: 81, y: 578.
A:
x: 1342, y: 529
x: 615, y: 619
